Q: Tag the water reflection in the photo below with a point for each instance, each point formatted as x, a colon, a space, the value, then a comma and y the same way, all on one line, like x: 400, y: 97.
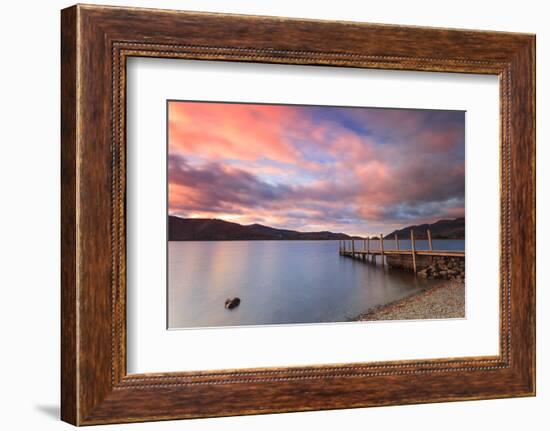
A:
x: 279, y: 282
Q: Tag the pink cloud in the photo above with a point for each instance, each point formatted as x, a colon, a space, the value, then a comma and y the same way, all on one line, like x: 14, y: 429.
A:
x: 441, y: 140
x: 296, y: 167
x: 216, y: 130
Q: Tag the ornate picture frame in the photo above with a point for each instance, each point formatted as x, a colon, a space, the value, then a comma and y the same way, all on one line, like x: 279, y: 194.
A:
x: 96, y: 41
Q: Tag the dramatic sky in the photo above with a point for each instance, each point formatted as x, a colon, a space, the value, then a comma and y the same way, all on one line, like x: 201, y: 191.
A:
x: 354, y: 170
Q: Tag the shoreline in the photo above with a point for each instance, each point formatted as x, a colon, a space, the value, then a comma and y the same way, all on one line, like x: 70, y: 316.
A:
x: 445, y: 301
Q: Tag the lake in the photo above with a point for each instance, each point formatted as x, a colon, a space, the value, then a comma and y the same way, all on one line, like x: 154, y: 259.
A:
x: 281, y: 282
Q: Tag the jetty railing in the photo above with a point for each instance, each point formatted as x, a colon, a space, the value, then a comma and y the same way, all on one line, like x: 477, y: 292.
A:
x: 369, y: 252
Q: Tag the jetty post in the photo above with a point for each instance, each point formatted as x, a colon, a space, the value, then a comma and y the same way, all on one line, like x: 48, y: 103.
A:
x: 406, y: 258
x: 413, y: 251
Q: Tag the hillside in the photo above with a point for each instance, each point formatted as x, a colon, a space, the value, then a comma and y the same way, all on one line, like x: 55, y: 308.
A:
x: 200, y: 229
x: 442, y: 229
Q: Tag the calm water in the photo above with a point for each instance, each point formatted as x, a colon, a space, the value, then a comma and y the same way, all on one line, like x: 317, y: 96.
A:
x: 280, y: 282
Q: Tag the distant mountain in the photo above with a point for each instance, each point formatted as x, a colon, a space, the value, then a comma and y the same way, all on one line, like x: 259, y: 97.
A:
x: 442, y: 229
x: 201, y: 229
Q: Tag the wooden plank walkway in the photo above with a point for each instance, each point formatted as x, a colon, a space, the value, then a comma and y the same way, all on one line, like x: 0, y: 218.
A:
x: 442, y: 253
x: 367, y: 252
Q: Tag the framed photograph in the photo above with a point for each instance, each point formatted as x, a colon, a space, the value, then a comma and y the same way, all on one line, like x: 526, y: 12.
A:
x: 259, y: 197
x: 264, y: 214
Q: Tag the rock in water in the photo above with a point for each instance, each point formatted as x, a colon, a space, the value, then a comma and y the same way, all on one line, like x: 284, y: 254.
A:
x: 423, y: 273
x: 231, y: 303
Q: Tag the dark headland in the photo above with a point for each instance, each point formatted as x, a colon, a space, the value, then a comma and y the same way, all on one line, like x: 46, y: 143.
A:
x: 204, y: 229
x: 442, y: 229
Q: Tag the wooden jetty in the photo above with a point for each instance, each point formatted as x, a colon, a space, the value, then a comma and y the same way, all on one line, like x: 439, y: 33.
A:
x: 366, y: 252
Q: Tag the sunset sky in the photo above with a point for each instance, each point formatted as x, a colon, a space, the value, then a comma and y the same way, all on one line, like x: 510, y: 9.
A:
x: 361, y: 171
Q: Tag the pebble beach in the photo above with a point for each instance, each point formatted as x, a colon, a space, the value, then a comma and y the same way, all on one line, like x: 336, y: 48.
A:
x: 442, y: 302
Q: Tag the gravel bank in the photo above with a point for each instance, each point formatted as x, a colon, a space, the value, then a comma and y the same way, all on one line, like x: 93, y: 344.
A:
x: 441, y: 302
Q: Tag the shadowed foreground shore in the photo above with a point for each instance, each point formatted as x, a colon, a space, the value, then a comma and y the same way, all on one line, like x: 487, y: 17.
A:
x: 441, y: 302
